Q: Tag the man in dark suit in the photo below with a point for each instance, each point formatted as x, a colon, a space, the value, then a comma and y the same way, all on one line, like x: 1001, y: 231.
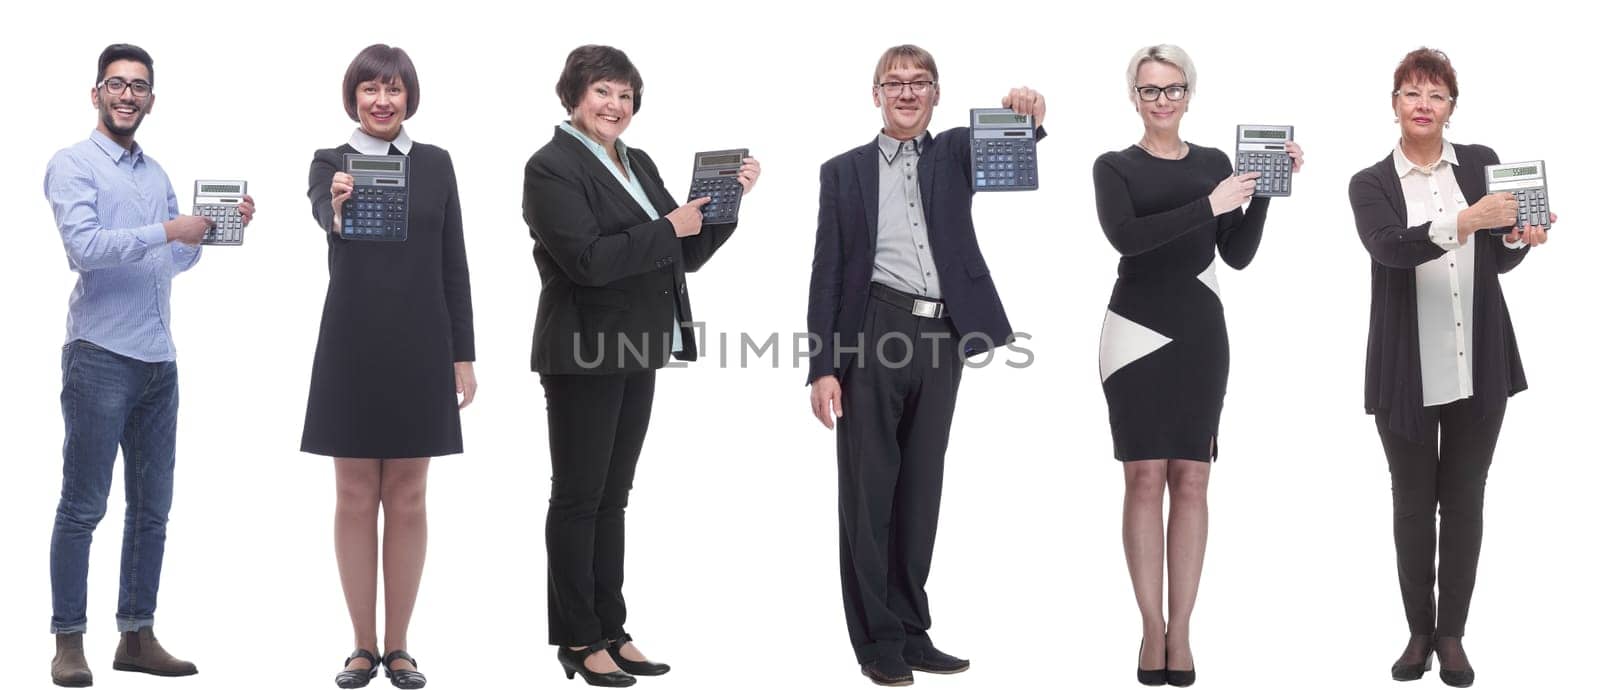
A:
x: 900, y: 296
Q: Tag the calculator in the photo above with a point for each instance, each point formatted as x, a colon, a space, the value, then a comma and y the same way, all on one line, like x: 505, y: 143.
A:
x: 1004, y: 151
x: 1526, y: 182
x: 218, y: 201
x: 716, y: 175
x: 1263, y: 149
x: 376, y: 208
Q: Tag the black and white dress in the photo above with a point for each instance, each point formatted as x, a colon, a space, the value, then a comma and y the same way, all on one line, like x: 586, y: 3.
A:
x: 1164, y: 344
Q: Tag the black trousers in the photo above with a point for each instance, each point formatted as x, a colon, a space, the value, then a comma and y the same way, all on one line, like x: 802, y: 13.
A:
x: 1445, y: 474
x: 597, y: 426
x: 898, y: 406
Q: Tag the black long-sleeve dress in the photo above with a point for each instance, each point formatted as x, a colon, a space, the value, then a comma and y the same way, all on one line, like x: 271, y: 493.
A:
x: 1164, y: 344
x: 398, y: 315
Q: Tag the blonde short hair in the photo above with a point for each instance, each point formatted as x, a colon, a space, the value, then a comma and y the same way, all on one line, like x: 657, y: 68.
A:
x: 1167, y: 53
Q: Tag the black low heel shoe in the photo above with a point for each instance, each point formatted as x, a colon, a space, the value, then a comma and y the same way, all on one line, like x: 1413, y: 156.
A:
x: 1180, y: 679
x: 630, y: 667
x: 1156, y: 677
x: 572, y: 662
x: 358, y: 678
x: 401, y: 678
x: 1403, y: 671
x: 1457, y: 679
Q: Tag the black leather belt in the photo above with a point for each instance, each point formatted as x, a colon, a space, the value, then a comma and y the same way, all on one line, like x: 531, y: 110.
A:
x: 925, y: 308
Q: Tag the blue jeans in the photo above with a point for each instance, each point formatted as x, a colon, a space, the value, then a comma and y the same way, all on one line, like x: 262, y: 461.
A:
x: 109, y: 400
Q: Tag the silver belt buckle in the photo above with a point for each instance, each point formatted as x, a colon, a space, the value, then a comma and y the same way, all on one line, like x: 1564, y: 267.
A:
x: 926, y: 309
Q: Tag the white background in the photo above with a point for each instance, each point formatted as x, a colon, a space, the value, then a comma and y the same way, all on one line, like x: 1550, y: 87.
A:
x: 733, y: 540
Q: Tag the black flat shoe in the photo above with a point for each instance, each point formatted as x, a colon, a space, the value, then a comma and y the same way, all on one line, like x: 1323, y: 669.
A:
x: 1155, y: 677
x: 932, y: 660
x: 358, y: 678
x: 572, y: 662
x: 631, y: 667
x: 1180, y: 679
x: 1404, y: 671
x: 403, y: 679
x: 891, y: 672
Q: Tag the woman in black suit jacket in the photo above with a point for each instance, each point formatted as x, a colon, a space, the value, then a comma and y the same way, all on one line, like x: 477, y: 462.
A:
x: 1441, y: 356
x: 612, y: 249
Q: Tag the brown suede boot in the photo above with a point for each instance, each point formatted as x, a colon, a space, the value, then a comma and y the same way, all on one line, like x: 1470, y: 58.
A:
x: 139, y: 651
x: 69, y: 669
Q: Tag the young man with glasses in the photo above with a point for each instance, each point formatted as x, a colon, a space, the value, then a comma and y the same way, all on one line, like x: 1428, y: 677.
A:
x: 900, y: 296
x: 118, y: 217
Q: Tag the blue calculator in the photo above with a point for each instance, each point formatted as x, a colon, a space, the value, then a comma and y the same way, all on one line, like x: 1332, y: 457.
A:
x: 377, y: 207
x: 1004, y: 151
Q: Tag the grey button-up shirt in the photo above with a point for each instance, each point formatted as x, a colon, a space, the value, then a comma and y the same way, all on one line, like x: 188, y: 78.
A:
x: 903, y: 260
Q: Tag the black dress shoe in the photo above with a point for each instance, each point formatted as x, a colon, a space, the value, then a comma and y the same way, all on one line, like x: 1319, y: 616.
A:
x: 890, y: 671
x: 405, y: 679
x: 1153, y: 677
x: 572, y: 662
x: 1180, y: 679
x: 631, y: 667
x: 1406, y: 671
x: 1457, y: 679
x: 358, y: 678
x: 931, y: 660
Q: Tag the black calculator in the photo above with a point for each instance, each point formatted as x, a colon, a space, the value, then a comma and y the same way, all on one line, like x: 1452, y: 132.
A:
x: 218, y: 201
x: 377, y: 206
x: 1004, y: 151
x: 1264, y: 149
x: 716, y: 175
x: 1526, y: 182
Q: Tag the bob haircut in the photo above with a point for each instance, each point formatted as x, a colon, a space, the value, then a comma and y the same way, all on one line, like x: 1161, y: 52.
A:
x: 384, y: 64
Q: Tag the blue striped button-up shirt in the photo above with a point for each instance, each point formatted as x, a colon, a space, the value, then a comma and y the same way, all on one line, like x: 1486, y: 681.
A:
x: 110, y: 204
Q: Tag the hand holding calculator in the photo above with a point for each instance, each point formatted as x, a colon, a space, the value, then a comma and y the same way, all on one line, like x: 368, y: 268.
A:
x: 716, y: 176
x: 1526, y: 182
x: 1004, y: 151
x: 1264, y: 149
x: 377, y: 209
x: 218, y: 201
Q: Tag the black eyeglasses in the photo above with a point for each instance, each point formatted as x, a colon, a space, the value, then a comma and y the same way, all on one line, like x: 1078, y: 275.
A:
x: 1176, y: 92
x: 116, y: 85
x: 895, y: 88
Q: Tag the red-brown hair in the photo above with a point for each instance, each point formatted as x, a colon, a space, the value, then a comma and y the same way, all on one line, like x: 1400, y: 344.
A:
x: 1425, y: 65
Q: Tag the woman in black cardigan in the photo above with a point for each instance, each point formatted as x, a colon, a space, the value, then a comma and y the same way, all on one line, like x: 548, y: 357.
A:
x: 1441, y: 356
x: 612, y: 247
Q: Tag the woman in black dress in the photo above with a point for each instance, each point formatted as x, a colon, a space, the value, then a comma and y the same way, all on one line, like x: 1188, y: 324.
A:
x: 612, y: 247
x: 1168, y: 208
x: 1441, y: 357
x: 394, y: 352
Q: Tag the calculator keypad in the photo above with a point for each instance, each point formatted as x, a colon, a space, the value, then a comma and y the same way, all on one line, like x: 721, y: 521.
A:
x: 227, y: 224
x: 1533, y: 208
x: 375, y: 213
x: 725, y: 193
x: 1275, y: 169
x: 1004, y: 164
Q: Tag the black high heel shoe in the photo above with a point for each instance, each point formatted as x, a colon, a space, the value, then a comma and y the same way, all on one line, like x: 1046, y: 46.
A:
x: 1403, y: 671
x: 1456, y: 679
x: 402, y: 678
x: 1179, y: 679
x: 572, y: 662
x: 630, y: 667
x: 358, y: 678
x: 1156, y: 677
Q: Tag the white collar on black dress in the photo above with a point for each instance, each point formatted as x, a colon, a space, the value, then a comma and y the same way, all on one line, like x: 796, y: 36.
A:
x: 373, y: 146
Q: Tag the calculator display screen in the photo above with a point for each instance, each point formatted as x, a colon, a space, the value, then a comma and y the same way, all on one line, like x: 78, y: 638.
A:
x: 375, y: 165
x: 720, y: 160
x: 1514, y: 172
x: 1002, y: 119
x: 1265, y: 134
x: 219, y: 189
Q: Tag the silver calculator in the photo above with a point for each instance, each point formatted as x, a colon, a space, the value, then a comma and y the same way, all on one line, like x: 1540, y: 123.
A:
x: 1004, y: 151
x: 1264, y: 149
x: 218, y: 201
x: 377, y: 207
x: 1526, y: 182
x: 716, y: 175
